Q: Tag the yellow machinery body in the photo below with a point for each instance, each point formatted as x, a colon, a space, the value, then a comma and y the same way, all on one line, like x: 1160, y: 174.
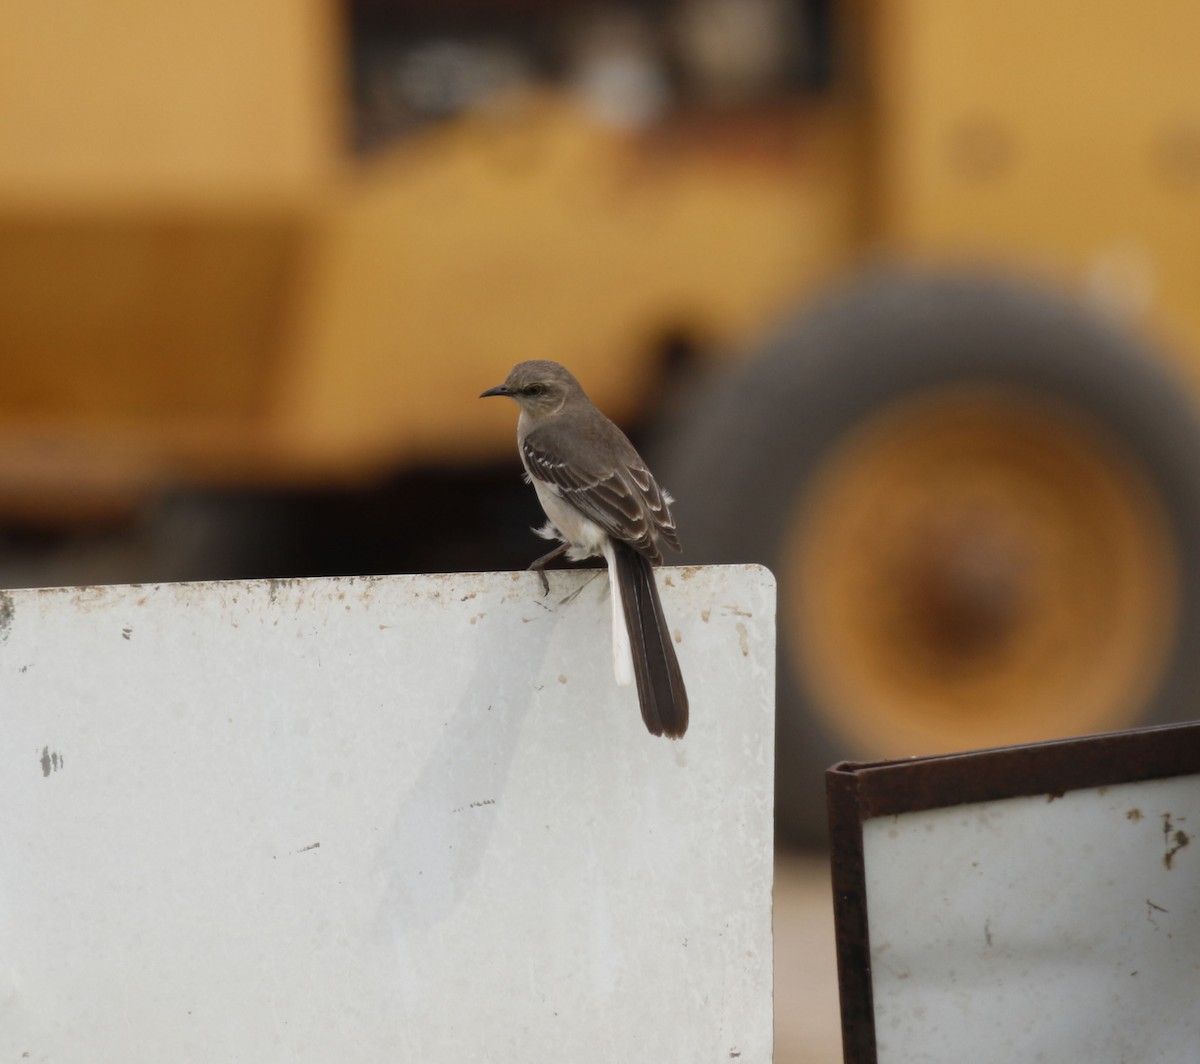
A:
x: 198, y: 283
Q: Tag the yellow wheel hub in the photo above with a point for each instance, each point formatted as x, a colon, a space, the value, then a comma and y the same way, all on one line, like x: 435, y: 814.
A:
x: 974, y: 568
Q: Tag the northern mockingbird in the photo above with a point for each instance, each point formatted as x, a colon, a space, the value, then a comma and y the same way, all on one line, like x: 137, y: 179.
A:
x: 602, y: 501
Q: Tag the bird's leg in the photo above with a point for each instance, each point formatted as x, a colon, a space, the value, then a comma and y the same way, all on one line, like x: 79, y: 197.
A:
x: 540, y: 564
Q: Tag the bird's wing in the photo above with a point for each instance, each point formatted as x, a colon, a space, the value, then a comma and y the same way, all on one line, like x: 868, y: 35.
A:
x: 622, y: 497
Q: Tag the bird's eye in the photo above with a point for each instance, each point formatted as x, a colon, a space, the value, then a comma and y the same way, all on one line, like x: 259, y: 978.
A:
x: 535, y: 389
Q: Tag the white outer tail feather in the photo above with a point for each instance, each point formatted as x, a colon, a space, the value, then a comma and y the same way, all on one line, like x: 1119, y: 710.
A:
x: 622, y: 651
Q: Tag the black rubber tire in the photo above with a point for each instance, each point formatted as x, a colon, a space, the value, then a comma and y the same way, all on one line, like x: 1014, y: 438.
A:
x: 750, y: 440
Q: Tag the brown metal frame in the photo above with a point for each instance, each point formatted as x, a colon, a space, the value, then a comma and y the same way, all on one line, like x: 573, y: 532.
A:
x: 858, y: 791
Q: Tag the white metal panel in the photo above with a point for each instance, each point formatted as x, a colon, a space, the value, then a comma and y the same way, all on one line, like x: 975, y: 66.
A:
x: 407, y: 818
x: 1060, y: 928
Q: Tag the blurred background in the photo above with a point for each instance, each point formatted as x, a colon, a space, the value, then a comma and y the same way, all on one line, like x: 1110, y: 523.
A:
x: 898, y: 296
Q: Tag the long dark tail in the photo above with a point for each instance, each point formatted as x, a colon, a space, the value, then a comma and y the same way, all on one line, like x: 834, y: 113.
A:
x: 660, y: 687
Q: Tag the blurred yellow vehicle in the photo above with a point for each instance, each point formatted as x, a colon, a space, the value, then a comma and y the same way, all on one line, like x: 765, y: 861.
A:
x: 936, y: 264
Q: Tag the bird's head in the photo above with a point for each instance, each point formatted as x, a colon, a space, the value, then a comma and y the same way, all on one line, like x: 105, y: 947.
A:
x: 541, y: 388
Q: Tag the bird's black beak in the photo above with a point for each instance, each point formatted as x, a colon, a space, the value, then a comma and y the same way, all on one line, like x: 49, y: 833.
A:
x: 500, y: 389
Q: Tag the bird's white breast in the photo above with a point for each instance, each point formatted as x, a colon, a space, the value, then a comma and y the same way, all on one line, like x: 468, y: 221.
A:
x: 585, y: 536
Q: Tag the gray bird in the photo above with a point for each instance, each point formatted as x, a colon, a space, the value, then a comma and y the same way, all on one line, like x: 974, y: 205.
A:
x: 602, y: 501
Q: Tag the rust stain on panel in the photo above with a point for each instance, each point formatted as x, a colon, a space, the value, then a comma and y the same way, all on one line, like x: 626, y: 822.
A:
x: 6, y: 615
x: 51, y: 761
